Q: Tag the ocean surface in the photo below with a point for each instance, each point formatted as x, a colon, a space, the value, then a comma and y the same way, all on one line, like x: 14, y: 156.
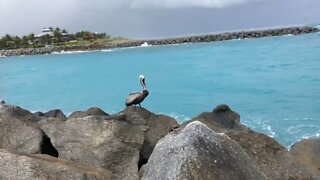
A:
x: 273, y: 83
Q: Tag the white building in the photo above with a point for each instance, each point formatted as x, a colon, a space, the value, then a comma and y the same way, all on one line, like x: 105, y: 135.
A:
x: 45, y: 31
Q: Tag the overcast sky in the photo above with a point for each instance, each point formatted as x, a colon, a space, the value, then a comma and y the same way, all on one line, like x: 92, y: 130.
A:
x: 153, y: 18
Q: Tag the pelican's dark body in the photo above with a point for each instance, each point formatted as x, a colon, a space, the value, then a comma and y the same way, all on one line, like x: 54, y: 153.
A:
x: 138, y: 97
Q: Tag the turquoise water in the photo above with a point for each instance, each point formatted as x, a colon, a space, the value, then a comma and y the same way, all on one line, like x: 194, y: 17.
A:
x: 273, y: 83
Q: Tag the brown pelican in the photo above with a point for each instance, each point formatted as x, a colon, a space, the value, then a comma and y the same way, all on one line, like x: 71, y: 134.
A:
x: 137, y: 97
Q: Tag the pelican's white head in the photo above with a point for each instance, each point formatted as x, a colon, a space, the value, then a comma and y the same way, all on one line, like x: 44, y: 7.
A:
x: 143, y: 84
x: 141, y: 77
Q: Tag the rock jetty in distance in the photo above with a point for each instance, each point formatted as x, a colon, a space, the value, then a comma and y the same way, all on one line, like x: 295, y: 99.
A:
x: 178, y: 40
x: 138, y: 144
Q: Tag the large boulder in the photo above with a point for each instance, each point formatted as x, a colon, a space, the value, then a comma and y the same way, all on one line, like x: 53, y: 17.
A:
x: 19, y: 131
x: 26, y: 167
x: 307, y: 153
x: 94, y: 111
x: 197, y: 152
x: 55, y: 113
x: 270, y: 157
x: 110, y: 144
x: 221, y: 119
x: 156, y: 127
x: 18, y: 112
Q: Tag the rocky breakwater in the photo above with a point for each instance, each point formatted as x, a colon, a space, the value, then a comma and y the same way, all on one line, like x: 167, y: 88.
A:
x: 48, y: 50
x: 138, y: 144
x: 220, y: 37
x: 179, y: 40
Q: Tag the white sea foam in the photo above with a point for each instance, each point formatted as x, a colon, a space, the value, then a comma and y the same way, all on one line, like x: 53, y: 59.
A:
x: 145, y: 44
x: 293, y: 130
x: 257, y: 123
x: 106, y: 50
x: 307, y: 136
x: 70, y: 52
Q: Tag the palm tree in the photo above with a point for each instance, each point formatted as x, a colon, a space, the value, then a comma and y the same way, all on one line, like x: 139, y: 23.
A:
x: 24, y: 41
x: 31, y: 37
x: 8, y: 37
x: 3, y: 43
x: 16, y: 41
x: 57, y: 35
x: 45, y: 39
x: 57, y: 29
x: 64, y: 31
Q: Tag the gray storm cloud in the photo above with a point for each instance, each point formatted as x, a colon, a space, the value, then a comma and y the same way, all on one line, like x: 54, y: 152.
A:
x: 186, y: 3
x: 153, y: 18
x: 11, y: 6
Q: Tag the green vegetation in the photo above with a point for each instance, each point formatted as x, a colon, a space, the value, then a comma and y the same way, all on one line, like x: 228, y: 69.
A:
x: 56, y: 37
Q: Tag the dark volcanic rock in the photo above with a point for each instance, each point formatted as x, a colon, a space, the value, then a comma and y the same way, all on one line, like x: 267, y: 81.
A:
x: 56, y: 113
x: 110, y: 144
x: 197, y: 152
x: 19, y: 131
x: 307, y: 153
x: 92, y: 111
x: 23, y: 167
x: 156, y: 127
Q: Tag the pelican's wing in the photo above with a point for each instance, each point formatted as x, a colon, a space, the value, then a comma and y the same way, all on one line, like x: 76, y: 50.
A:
x: 132, y: 97
x: 133, y: 93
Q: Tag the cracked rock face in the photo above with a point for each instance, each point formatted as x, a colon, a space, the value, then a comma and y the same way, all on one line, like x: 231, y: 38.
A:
x: 156, y: 127
x: 19, y: 131
x: 26, y: 167
x: 92, y: 140
x: 197, y: 152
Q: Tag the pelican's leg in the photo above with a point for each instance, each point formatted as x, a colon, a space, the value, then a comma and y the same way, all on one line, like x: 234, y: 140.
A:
x: 139, y: 104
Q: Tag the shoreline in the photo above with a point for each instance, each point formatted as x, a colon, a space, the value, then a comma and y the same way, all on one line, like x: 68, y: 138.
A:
x: 253, y: 34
